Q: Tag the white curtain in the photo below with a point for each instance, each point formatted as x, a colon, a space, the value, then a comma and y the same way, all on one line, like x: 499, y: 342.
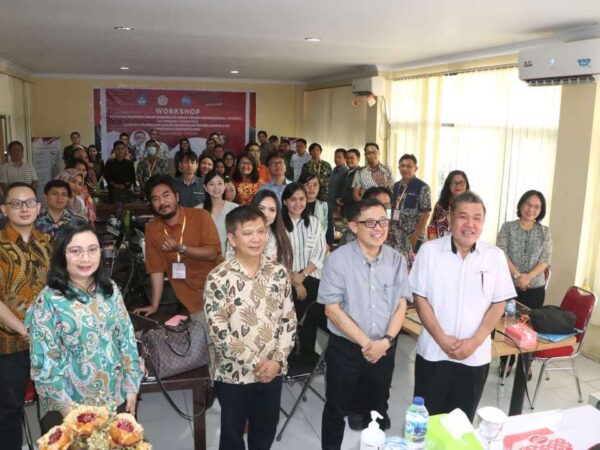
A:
x: 501, y: 132
x: 20, y: 113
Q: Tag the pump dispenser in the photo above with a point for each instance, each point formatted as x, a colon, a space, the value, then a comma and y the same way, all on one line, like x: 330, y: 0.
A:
x: 372, y: 437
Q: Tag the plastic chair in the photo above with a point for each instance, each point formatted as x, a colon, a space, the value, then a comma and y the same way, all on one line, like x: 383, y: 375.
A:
x: 303, y: 368
x: 581, y: 303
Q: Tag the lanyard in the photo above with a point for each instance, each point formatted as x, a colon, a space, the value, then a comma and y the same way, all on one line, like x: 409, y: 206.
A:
x: 181, y: 236
x: 400, y: 198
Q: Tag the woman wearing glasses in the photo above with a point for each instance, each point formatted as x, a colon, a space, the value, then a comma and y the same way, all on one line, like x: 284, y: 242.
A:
x: 309, y: 248
x: 528, y: 248
x: 82, y: 345
x: 456, y: 183
x: 246, y: 179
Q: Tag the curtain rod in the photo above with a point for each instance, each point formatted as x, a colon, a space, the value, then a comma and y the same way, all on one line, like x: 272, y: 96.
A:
x: 456, y: 72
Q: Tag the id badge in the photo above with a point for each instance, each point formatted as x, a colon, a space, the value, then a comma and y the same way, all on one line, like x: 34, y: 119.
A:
x: 396, y: 215
x: 178, y: 270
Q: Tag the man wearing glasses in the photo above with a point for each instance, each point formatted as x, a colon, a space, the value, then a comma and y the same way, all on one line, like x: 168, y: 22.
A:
x: 364, y: 288
x: 24, y: 262
x: 277, y: 168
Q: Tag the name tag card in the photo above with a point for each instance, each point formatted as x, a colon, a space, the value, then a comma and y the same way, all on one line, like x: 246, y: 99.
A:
x: 178, y: 270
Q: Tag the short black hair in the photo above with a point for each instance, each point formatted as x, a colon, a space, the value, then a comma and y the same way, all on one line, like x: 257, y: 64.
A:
x: 18, y: 184
x: 153, y: 143
x: 117, y: 143
x: 340, y: 150
x: 356, y: 209
x: 218, y: 146
x: 158, y: 179
x: 374, y: 191
x: 12, y: 144
x: 526, y: 196
x: 274, y: 155
x: 408, y: 156
x: 355, y: 151
x: 263, y: 132
x: 273, y: 138
x: 189, y: 156
x: 371, y: 144
x: 75, y: 133
x: 124, y: 134
x: 241, y: 215
x: 301, y: 140
x: 313, y: 146
x: 250, y: 144
x: 467, y: 197
x: 57, y: 184
x: 74, y: 161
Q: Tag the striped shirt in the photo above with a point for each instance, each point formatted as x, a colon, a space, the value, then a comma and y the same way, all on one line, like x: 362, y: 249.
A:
x: 308, y: 245
x: 10, y: 173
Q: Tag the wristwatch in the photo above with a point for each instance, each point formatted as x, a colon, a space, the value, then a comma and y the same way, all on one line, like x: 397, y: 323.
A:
x: 182, y: 250
x: 516, y: 276
x: 389, y: 339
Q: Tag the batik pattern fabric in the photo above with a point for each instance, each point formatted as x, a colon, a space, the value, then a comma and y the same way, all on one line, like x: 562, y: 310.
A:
x: 246, y: 190
x: 23, y: 273
x: 46, y: 224
x: 82, y: 348
x: 322, y: 170
x: 250, y: 318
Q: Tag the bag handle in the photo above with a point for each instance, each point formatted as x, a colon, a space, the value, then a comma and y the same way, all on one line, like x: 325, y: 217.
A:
x: 173, y: 349
x: 165, y: 393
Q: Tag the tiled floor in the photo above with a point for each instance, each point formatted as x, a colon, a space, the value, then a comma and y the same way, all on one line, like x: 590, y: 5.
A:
x: 167, y: 431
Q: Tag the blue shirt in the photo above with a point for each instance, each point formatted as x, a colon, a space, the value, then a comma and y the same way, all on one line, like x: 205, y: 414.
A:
x: 369, y: 292
x: 274, y: 187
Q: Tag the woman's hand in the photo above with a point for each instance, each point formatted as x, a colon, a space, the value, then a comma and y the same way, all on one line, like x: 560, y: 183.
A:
x: 300, y: 291
x: 524, y: 281
x: 131, y: 403
x: 298, y: 278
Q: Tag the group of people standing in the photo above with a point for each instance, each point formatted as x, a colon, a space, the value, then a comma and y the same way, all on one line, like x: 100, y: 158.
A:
x: 252, y: 268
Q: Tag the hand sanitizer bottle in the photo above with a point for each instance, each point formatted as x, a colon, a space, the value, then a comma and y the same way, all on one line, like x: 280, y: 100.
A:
x: 372, y: 437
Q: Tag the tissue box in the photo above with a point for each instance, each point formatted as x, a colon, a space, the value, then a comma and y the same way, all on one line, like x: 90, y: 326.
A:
x: 524, y: 336
x: 437, y: 438
x: 541, y: 439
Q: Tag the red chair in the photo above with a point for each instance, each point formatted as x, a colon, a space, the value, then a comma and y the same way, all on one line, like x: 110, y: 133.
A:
x: 581, y: 303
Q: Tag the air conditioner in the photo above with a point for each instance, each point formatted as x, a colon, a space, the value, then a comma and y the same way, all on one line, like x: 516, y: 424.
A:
x: 369, y: 86
x: 562, y: 63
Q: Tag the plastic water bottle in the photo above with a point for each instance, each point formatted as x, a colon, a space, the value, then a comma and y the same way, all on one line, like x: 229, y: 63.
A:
x: 372, y: 437
x: 510, y: 312
x: 415, y: 425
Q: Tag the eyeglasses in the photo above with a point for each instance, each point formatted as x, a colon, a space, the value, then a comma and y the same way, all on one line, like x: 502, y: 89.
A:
x: 371, y: 223
x: 276, y: 163
x: 77, y: 252
x: 458, y: 183
x: 18, y: 204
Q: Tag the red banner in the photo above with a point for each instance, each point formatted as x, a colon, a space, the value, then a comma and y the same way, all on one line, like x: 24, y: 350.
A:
x: 175, y: 114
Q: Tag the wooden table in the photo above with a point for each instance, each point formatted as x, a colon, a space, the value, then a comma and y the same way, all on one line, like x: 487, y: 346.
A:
x: 196, y: 381
x: 501, y: 348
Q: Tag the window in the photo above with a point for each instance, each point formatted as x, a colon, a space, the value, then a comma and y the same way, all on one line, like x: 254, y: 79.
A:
x: 488, y: 123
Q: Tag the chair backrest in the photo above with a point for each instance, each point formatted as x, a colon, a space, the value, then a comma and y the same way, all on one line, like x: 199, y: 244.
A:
x: 581, y: 303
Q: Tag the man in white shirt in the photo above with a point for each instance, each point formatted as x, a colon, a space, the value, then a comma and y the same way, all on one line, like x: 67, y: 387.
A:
x: 16, y: 169
x: 300, y: 158
x: 459, y: 286
x: 164, y: 148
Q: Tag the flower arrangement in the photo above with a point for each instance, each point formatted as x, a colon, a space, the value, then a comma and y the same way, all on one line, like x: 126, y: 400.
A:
x: 95, y: 428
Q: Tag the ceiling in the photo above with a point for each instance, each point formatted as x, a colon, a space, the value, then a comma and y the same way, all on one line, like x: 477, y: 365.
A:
x: 264, y: 39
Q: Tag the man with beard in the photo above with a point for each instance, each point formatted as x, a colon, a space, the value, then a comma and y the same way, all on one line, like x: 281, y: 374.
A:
x: 181, y: 242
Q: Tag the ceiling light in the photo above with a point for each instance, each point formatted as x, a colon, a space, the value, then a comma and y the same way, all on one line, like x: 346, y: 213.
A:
x: 124, y: 28
x: 312, y: 39
x: 124, y: 68
x: 234, y: 72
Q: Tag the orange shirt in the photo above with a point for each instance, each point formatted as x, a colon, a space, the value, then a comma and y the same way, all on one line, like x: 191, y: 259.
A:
x: 200, y: 231
x: 23, y: 271
x: 246, y: 190
x: 263, y: 174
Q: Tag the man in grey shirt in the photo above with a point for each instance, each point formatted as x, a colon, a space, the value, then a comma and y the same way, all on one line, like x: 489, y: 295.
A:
x: 364, y: 287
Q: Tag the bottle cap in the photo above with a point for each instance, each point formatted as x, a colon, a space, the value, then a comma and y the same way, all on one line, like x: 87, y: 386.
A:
x: 374, y: 416
x: 419, y: 401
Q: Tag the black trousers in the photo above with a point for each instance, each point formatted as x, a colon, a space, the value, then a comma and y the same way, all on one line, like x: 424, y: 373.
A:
x: 446, y: 385
x: 14, y: 374
x: 315, y: 316
x: 256, y: 402
x: 348, y: 371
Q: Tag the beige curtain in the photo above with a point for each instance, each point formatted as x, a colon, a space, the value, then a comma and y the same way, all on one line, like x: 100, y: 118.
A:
x: 331, y: 120
x: 20, y: 113
x: 501, y: 132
